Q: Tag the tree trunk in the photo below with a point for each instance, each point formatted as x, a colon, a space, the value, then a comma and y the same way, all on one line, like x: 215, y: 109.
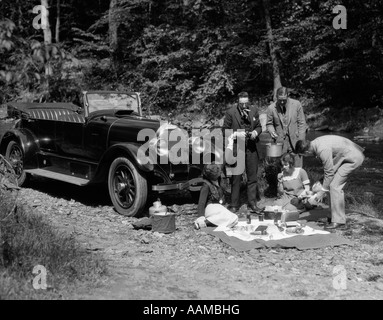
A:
x: 47, y: 38
x: 113, y: 29
x: 47, y: 29
x: 57, y: 35
x: 273, y: 54
x: 20, y: 21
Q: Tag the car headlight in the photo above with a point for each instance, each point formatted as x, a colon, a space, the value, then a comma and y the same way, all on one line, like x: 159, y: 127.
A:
x: 199, y: 145
x: 162, y: 147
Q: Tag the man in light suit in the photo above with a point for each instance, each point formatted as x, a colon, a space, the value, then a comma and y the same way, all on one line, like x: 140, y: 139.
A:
x: 340, y: 157
x: 242, y: 116
x: 286, y: 123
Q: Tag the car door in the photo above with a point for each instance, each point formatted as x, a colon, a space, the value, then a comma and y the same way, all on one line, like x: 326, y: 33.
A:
x: 45, y: 133
x: 96, y: 132
x: 69, y: 139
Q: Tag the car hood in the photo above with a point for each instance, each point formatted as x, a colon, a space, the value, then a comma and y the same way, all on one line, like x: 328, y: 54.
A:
x: 136, y: 123
x: 128, y: 128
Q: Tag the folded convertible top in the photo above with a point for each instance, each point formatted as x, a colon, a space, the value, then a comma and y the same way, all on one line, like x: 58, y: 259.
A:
x: 17, y: 109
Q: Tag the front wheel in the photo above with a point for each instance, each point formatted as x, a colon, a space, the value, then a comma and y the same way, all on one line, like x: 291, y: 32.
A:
x: 15, y: 156
x: 128, y: 188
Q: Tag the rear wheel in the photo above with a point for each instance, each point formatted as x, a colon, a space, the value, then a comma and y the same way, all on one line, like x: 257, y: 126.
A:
x: 15, y: 155
x: 128, y: 188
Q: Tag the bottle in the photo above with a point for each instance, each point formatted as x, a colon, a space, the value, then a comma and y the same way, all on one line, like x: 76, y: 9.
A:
x: 157, y: 208
x: 248, y: 217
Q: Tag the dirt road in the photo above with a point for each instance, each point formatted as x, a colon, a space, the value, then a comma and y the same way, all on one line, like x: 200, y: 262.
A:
x: 192, y: 265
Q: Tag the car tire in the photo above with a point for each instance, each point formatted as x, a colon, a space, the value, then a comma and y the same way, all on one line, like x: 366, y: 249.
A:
x: 15, y: 156
x: 128, y: 188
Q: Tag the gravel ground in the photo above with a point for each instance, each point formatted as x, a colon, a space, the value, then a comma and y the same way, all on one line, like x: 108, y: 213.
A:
x: 192, y: 265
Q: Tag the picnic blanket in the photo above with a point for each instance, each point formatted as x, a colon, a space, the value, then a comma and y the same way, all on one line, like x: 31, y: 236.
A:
x: 313, y: 237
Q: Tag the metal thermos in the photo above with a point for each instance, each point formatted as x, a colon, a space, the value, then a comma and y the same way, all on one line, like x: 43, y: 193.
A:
x: 157, y: 209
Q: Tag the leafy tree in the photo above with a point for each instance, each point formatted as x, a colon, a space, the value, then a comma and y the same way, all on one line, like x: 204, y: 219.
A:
x: 196, y: 54
x: 343, y: 66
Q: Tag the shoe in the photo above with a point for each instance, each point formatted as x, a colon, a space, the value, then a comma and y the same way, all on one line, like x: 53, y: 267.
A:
x: 233, y: 209
x: 334, y: 225
x: 254, y: 208
x: 200, y: 223
x: 323, y: 221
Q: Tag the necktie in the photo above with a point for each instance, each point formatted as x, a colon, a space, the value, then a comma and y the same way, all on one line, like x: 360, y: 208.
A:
x: 245, y: 114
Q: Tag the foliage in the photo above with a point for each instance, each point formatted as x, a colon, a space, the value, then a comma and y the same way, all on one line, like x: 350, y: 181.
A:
x: 25, y: 64
x: 197, y: 54
x: 343, y: 65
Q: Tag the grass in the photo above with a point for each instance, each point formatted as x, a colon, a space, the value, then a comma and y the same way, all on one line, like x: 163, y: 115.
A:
x: 28, y: 240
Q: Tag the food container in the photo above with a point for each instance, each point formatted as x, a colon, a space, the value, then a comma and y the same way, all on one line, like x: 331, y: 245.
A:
x: 162, y: 220
x: 274, y: 149
x: 289, y: 216
x: 164, y: 223
x: 158, y: 209
x: 273, y: 212
x: 273, y: 215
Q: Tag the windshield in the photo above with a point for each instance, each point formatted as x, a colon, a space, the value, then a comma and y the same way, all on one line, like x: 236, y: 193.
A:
x: 112, y: 101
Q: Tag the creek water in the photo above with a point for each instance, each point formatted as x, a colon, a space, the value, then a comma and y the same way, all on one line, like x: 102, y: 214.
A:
x: 368, y: 178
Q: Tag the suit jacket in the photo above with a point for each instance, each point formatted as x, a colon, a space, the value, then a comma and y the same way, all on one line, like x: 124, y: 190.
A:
x: 233, y: 120
x: 333, y: 151
x: 296, y: 122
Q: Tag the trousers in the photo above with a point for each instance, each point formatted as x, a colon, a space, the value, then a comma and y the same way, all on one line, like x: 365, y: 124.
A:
x: 337, y: 203
x: 251, y: 163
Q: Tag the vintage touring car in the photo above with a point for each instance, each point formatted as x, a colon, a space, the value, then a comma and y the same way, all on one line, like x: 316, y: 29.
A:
x: 95, y: 143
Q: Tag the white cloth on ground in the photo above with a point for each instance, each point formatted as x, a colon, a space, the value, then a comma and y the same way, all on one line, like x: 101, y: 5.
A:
x: 242, y: 231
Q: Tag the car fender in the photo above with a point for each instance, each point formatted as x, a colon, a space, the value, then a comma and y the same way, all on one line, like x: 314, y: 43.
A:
x: 128, y: 150
x: 27, y: 142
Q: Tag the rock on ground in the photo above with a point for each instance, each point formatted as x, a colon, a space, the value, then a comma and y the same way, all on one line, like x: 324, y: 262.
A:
x: 192, y: 265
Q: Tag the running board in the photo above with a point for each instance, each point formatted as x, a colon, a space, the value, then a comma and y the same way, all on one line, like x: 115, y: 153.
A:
x: 58, y: 176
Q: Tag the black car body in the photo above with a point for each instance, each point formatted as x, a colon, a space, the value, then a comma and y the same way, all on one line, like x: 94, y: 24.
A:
x: 95, y: 143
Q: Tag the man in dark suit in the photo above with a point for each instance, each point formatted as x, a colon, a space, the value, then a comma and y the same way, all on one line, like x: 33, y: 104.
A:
x: 242, y: 116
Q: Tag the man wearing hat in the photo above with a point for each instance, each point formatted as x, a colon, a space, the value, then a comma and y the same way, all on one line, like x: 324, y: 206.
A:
x: 242, y: 116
